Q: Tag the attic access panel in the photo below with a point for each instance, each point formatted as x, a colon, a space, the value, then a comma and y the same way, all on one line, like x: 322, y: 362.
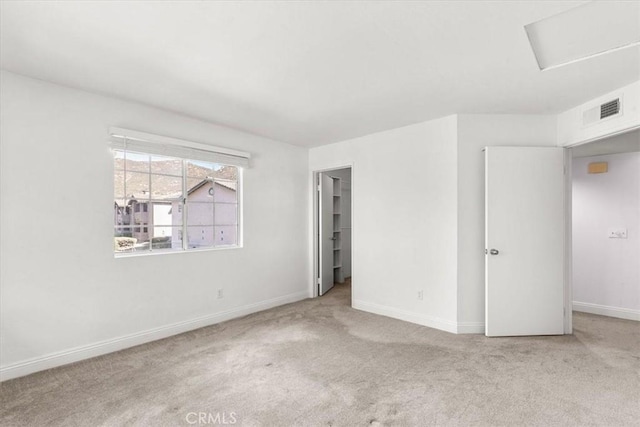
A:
x: 583, y: 32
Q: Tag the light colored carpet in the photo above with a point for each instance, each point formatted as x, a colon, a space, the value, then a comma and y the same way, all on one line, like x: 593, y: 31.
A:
x: 319, y: 362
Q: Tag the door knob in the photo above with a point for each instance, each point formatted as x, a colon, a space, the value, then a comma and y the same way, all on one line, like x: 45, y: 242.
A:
x: 494, y: 252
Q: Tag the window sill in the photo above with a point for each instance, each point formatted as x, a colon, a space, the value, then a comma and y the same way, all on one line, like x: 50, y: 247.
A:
x: 159, y: 252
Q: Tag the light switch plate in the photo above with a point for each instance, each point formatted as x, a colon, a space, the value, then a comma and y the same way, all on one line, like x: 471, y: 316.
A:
x: 617, y: 233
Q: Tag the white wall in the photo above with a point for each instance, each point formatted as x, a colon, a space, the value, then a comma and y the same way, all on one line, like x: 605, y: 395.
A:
x: 476, y: 131
x: 404, y: 219
x: 606, y: 272
x: 63, y: 291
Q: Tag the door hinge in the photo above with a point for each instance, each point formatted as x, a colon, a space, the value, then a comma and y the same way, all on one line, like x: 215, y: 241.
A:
x: 318, y: 187
x: 318, y: 282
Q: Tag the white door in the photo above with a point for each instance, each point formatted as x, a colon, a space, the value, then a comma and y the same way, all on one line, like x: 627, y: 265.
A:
x: 325, y: 240
x: 524, y: 220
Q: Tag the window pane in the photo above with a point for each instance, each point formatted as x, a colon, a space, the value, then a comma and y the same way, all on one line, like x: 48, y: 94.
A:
x: 198, y: 169
x: 222, y: 172
x: 192, y: 183
x: 199, y: 213
x: 140, y: 214
x: 122, y: 240
x: 118, y: 184
x: 226, y: 235
x: 120, y: 213
x: 137, y: 185
x: 166, y: 165
x: 226, y: 214
x: 199, y: 190
x: 167, y: 214
x: 225, y: 191
x: 137, y: 162
x: 118, y: 159
x: 149, y: 203
x: 200, y: 237
x: 166, y: 187
x: 130, y: 239
x: 166, y: 238
x: 142, y: 238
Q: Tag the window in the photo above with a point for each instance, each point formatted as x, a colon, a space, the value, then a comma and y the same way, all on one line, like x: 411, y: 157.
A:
x: 168, y: 203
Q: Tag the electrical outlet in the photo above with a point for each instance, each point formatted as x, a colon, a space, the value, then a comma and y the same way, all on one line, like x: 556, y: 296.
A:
x: 420, y: 295
x: 617, y: 233
x: 220, y: 293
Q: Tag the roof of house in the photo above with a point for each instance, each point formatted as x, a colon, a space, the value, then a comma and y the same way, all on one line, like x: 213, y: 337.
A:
x: 231, y: 185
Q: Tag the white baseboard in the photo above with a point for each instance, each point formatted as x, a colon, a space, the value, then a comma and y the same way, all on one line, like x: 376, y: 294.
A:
x: 471, y: 328
x: 76, y: 354
x: 605, y: 310
x: 407, y: 316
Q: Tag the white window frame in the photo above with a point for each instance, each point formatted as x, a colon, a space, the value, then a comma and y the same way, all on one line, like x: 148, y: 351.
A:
x: 169, y: 147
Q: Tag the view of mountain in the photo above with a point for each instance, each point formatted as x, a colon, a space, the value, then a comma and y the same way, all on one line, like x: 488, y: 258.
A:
x: 161, y: 178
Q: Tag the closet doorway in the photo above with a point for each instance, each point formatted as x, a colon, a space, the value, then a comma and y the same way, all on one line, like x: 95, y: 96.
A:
x: 332, y: 230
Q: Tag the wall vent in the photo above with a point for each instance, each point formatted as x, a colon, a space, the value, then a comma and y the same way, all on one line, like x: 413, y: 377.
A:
x: 604, y: 111
x: 610, y: 108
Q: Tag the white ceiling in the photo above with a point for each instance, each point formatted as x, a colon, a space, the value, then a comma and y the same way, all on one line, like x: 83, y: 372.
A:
x: 307, y: 73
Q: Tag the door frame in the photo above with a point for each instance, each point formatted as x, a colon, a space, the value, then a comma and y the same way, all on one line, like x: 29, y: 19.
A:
x: 568, y: 244
x: 568, y: 250
x: 568, y: 227
x: 316, y: 223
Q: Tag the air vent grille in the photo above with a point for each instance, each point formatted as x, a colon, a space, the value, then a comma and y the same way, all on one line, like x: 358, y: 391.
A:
x: 610, y: 108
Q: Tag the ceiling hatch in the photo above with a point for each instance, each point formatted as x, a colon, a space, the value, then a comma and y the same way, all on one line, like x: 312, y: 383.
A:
x: 586, y: 31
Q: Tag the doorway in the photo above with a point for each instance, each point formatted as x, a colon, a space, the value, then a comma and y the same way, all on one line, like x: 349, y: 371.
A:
x: 332, y: 232
x: 605, y: 221
x: 598, y: 205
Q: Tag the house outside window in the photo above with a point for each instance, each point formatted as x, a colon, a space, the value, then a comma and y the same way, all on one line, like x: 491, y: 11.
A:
x: 160, y: 199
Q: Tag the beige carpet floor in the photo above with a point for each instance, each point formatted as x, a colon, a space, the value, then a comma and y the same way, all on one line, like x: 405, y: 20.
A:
x: 321, y: 363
